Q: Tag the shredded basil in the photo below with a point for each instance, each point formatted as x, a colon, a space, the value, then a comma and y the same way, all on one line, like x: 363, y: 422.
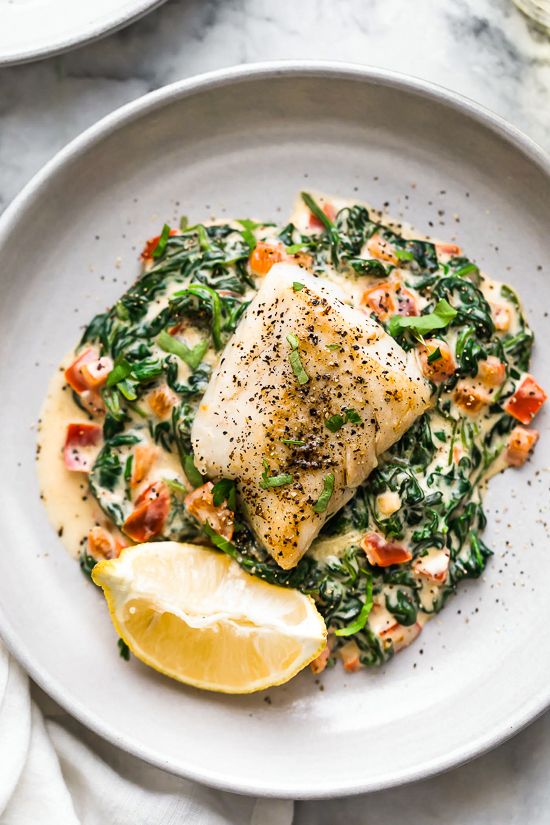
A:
x: 440, y: 318
x: 322, y: 502
x: 280, y: 480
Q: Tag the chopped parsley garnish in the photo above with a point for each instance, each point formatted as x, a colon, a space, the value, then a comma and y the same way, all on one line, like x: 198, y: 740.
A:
x: 440, y: 318
x: 297, y: 286
x: 328, y: 488
x: 361, y: 619
x: 158, y: 251
x: 335, y: 422
x: 280, y: 480
x: 295, y: 361
x: 192, y: 356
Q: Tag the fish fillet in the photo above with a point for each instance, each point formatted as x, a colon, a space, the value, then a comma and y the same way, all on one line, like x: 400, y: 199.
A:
x: 345, y: 396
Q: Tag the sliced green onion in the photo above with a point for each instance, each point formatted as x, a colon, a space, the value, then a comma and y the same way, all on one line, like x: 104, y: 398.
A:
x: 328, y: 488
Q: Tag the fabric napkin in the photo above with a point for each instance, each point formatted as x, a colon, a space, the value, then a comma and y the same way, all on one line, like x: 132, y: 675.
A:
x: 53, y: 771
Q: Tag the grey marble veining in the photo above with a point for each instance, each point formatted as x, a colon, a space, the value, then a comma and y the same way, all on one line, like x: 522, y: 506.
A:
x: 481, y: 48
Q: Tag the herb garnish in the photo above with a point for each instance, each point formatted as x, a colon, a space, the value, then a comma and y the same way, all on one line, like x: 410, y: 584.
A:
x: 192, y: 356
x: 295, y: 360
x: 434, y: 356
x: 297, y: 286
x: 268, y: 481
x: 440, y: 318
x: 321, y: 504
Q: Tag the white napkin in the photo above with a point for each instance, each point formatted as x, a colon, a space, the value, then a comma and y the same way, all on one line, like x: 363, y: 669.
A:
x: 53, y: 771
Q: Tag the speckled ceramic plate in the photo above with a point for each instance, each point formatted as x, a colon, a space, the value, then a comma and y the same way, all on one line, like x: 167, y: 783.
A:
x: 242, y: 142
x: 32, y: 29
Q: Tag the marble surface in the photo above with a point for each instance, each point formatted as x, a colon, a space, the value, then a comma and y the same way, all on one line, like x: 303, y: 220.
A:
x: 482, y: 48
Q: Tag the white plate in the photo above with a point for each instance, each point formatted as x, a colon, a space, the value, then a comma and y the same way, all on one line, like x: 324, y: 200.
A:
x: 240, y: 143
x: 32, y: 29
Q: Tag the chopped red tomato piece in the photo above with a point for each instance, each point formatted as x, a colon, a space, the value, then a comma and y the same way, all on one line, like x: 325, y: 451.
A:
x: 520, y: 443
x: 471, y: 396
x: 144, y: 456
x: 434, y: 566
x: 81, y: 444
x: 200, y: 503
x: 491, y: 371
x: 502, y: 317
x: 349, y: 654
x: 330, y: 212
x: 390, y: 632
x: 527, y: 400
x: 381, y: 300
x: 103, y: 545
x: 162, y: 400
x: 150, y: 512
x: 320, y: 663
x: 88, y: 371
x: 263, y: 257
x: 382, y: 553
x: 448, y: 249
x: 437, y: 360
x: 379, y: 248
x: 152, y: 244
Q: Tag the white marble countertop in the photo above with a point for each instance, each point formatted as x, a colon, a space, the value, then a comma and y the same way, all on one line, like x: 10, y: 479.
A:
x: 481, y: 48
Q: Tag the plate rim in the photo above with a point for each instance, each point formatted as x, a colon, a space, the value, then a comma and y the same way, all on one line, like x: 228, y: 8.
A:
x: 120, y: 117
x: 94, y: 33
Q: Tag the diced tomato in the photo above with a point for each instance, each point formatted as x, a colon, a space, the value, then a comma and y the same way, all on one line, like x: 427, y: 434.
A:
x: 491, y: 371
x: 379, y: 248
x: 200, y: 504
x: 152, y: 243
x: 392, y: 634
x: 263, y: 257
x: 349, y: 654
x: 150, y: 512
x: 502, y: 317
x: 330, y: 212
x: 527, y: 400
x: 471, y: 396
x: 88, y: 371
x: 406, y: 302
x: 443, y: 366
x: 92, y: 401
x: 81, y: 443
x: 448, y: 249
x: 382, y: 553
x: 401, y: 636
x: 102, y: 544
x: 302, y: 259
x: 161, y: 401
x: 144, y: 456
x: 434, y: 566
x: 381, y: 300
x: 320, y: 663
x: 520, y: 443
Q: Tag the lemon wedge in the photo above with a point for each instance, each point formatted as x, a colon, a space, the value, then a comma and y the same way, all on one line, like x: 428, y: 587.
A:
x: 193, y: 614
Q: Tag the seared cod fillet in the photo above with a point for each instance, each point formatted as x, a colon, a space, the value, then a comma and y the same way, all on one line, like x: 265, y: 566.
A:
x: 308, y: 393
